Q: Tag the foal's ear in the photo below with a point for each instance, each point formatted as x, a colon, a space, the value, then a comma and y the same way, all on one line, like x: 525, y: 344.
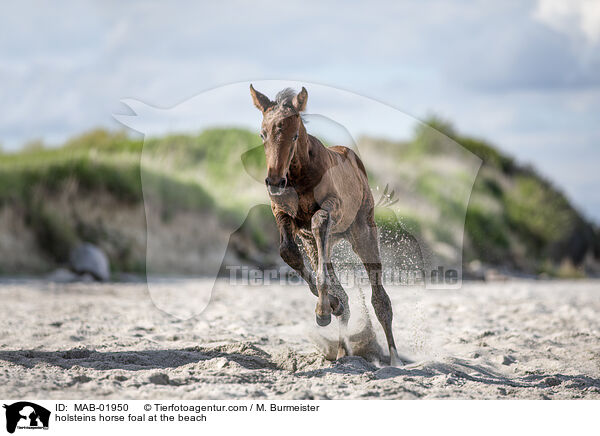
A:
x: 261, y: 101
x: 299, y: 101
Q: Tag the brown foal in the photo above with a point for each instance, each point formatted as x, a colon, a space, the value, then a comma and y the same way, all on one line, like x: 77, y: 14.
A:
x: 320, y: 195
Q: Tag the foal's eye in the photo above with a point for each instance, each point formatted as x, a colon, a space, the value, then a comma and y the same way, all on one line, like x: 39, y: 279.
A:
x: 295, y: 137
x: 262, y: 135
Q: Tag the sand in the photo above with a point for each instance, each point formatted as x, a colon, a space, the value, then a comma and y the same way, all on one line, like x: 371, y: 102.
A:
x: 518, y: 339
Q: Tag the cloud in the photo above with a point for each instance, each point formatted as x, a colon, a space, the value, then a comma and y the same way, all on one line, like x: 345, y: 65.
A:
x: 575, y: 18
x: 511, y: 52
x: 518, y: 73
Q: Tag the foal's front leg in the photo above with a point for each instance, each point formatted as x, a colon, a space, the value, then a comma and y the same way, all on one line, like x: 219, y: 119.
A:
x: 336, y: 291
x: 320, y: 225
x: 289, y: 251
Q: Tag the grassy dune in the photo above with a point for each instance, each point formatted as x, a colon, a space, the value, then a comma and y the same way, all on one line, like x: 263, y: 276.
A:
x: 90, y: 189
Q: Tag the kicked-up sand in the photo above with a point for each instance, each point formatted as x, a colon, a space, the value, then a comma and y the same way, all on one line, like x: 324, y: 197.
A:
x: 517, y: 339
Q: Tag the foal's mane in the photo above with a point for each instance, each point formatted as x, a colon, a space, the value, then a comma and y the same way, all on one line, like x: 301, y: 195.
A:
x: 284, y: 103
x: 284, y: 98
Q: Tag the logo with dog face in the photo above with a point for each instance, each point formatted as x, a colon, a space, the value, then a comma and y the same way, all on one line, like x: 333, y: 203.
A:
x: 26, y: 415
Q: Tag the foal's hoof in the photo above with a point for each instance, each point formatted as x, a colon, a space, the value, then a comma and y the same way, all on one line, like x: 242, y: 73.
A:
x: 323, y: 320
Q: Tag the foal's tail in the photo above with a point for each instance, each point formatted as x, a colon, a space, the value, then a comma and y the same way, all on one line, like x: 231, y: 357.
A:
x: 386, y: 199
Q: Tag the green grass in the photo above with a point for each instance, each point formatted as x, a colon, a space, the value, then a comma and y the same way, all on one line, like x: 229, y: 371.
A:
x: 538, y: 213
x: 389, y: 222
x: 97, y: 162
x: 196, y: 172
x: 533, y: 214
x: 488, y: 234
x: 52, y: 235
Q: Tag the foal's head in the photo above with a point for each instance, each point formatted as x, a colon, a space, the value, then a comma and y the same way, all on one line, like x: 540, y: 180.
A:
x: 280, y: 131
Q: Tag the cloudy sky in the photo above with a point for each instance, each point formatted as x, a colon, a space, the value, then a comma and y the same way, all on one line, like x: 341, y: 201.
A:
x: 523, y: 74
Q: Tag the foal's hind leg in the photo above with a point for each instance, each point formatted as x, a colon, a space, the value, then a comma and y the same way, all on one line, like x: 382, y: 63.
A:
x: 365, y: 243
x: 344, y: 316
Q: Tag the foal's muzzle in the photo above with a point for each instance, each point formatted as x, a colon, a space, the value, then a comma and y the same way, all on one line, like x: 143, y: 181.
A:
x: 276, y: 185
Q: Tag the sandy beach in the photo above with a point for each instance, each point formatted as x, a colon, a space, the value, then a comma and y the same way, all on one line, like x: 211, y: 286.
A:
x: 517, y: 339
